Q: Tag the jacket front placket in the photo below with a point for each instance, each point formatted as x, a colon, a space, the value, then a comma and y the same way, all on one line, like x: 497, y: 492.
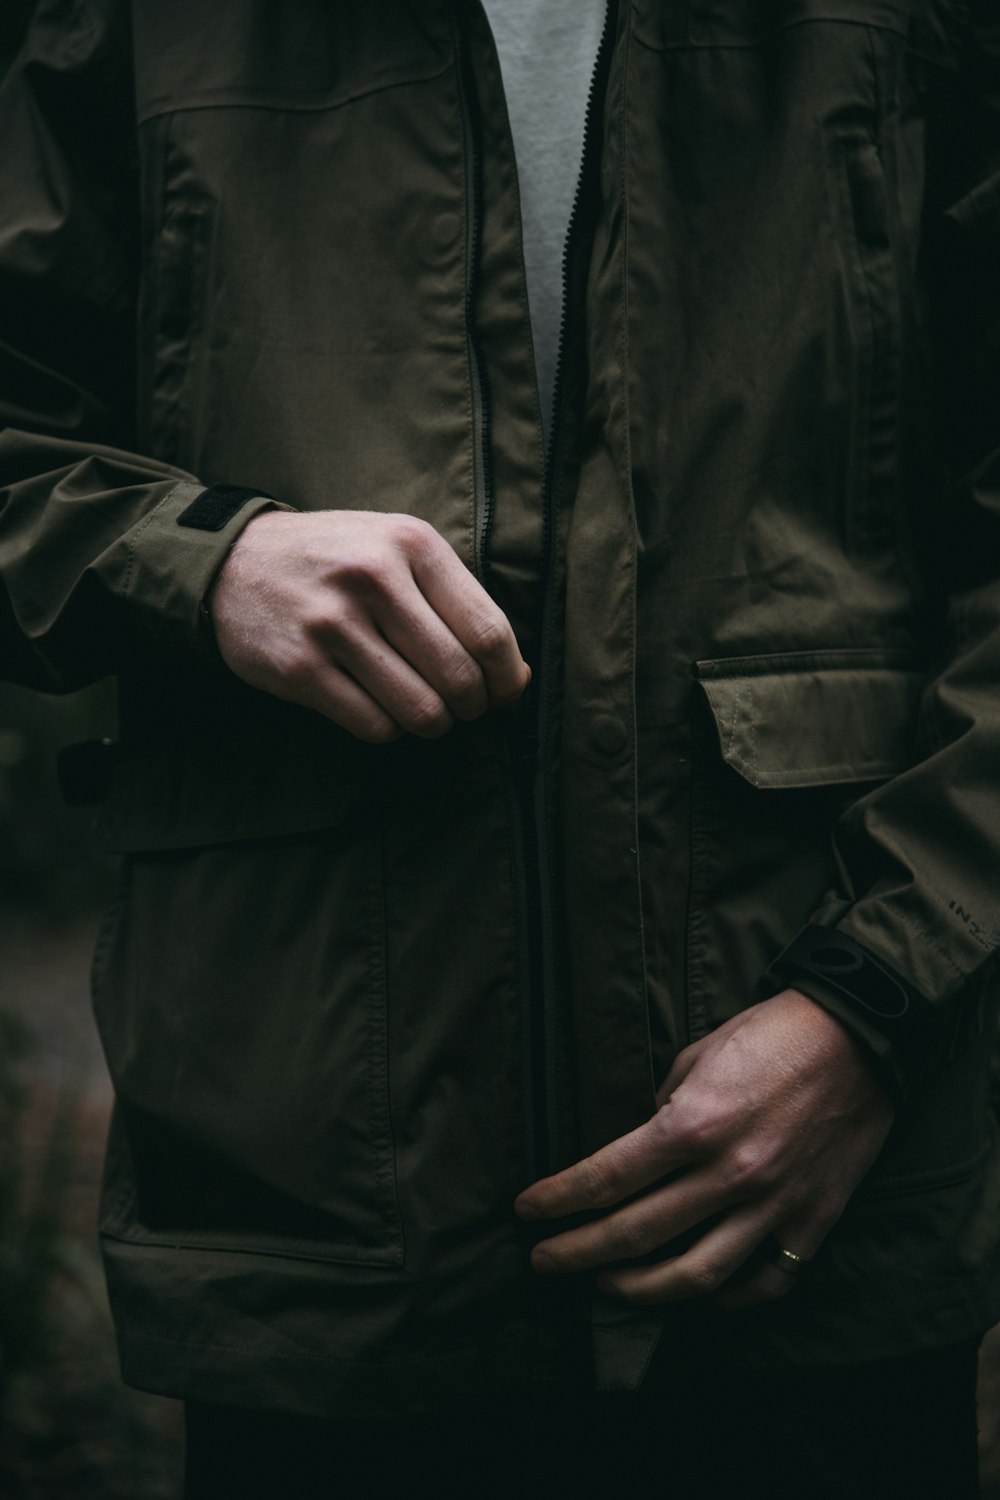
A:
x: 591, y: 753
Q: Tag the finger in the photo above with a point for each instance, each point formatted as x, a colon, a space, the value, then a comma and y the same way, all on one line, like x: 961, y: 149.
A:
x: 422, y: 638
x: 395, y: 686
x: 334, y: 694
x: 626, y: 1166
x: 648, y: 1224
x: 776, y: 1276
x: 698, y: 1272
x: 477, y: 622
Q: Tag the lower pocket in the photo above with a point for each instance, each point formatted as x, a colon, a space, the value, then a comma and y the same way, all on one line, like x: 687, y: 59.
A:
x: 241, y: 1000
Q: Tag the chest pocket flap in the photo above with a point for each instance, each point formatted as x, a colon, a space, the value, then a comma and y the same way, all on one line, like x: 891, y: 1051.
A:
x: 814, y: 718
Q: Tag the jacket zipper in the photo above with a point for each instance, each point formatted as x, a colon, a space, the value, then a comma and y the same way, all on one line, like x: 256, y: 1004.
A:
x: 482, y: 472
x: 575, y: 262
x: 540, y: 1019
x: 520, y: 768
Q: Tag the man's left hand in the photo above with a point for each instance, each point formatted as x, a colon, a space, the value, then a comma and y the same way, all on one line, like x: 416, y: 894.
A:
x: 764, y: 1128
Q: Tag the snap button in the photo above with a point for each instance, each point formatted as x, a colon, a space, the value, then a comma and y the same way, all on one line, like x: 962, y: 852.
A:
x: 607, y: 734
x: 444, y: 229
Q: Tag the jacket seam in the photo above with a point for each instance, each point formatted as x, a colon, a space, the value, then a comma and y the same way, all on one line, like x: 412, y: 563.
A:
x: 327, y: 1359
x: 284, y: 106
x: 689, y: 45
x: 905, y: 1184
x: 833, y: 658
x: 924, y: 937
x: 137, y: 533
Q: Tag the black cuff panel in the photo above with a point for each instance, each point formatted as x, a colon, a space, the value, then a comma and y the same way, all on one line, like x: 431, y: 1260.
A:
x: 886, y: 1001
x: 216, y: 507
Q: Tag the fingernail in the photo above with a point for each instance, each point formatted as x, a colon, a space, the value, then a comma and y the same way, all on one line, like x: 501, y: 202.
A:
x: 543, y: 1262
x: 606, y: 1285
x: 526, y: 1210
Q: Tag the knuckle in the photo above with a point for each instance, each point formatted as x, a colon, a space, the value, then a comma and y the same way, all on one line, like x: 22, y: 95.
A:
x: 428, y: 717
x: 366, y: 576
x: 415, y: 536
x: 490, y: 636
x: 666, y: 1122
x: 331, y: 622
x: 462, y: 681
x: 747, y: 1165
x: 297, y: 663
x: 598, y: 1182
x: 695, y: 1131
x: 702, y: 1279
x: 633, y: 1237
x: 376, y: 731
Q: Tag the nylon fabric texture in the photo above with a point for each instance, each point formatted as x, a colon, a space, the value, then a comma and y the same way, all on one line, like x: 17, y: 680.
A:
x: 354, y: 998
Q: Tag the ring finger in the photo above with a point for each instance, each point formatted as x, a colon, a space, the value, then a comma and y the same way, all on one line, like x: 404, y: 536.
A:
x: 700, y: 1271
x: 791, y: 1246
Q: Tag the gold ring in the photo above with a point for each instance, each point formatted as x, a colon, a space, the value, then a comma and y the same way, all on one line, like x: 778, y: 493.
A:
x: 788, y: 1261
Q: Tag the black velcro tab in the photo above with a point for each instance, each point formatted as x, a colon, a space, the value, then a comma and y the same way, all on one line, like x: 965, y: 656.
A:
x: 877, y: 992
x: 216, y: 507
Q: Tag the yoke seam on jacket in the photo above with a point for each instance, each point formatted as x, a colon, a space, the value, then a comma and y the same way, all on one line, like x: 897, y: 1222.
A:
x: 289, y: 106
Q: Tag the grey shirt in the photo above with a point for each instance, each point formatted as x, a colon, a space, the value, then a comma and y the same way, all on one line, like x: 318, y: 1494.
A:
x: 547, y: 51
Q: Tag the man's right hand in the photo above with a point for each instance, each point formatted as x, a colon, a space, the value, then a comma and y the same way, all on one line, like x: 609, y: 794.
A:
x: 370, y: 619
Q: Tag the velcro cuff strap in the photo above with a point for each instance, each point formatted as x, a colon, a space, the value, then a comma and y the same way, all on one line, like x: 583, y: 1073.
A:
x: 215, y: 507
x: 886, y: 1001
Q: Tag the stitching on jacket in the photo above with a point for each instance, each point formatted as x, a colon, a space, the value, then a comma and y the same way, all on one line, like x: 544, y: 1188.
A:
x: 330, y: 1359
x: 505, y: 149
x: 925, y: 937
x: 468, y: 273
x: 137, y: 533
x: 753, y: 730
x: 736, y: 713
x: 754, y: 45
x: 285, y: 106
x: 379, y: 1096
x: 625, y: 34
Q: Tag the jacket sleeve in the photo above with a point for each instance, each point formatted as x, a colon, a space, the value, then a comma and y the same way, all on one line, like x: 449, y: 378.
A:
x: 91, y: 556
x: 917, y: 922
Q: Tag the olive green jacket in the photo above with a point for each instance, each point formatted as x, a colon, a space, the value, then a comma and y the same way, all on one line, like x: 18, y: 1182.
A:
x: 354, y: 998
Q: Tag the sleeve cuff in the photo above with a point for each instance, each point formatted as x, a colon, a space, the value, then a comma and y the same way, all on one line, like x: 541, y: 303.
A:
x: 175, y: 552
x: 898, y: 1028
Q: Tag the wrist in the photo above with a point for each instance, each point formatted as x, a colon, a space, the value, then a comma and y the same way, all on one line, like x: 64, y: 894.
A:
x: 842, y: 1040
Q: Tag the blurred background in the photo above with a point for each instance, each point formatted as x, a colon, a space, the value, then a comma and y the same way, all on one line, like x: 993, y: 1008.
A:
x: 68, y: 1429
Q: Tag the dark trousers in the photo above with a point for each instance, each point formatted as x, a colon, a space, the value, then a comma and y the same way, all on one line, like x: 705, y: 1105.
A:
x: 900, y: 1429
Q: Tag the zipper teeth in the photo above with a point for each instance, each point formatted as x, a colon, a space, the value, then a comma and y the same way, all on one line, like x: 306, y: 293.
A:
x: 482, y: 476
x: 571, y: 292
x: 568, y: 245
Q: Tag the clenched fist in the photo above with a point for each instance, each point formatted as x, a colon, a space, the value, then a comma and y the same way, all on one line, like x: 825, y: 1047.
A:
x: 370, y: 619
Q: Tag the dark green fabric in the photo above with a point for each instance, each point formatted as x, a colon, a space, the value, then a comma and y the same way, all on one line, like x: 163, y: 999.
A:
x: 233, y: 250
